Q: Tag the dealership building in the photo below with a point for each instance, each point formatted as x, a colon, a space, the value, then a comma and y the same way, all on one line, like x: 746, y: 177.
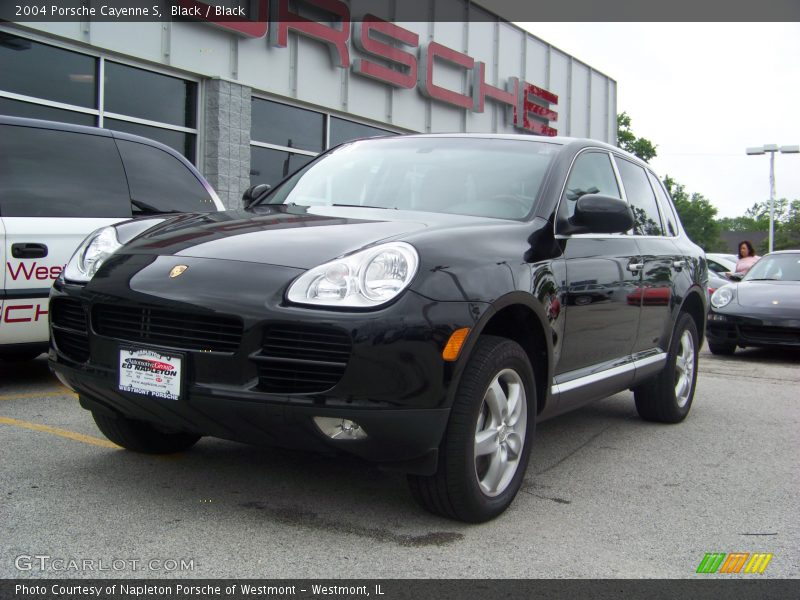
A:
x: 249, y: 101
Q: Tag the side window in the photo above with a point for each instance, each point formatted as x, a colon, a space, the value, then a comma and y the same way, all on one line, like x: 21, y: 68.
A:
x: 592, y: 173
x: 647, y: 220
x: 50, y: 173
x: 716, y: 267
x: 670, y: 221
x: 162, y: 181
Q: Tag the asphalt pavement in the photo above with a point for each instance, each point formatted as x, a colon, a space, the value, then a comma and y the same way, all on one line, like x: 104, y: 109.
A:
x: 606, y: 495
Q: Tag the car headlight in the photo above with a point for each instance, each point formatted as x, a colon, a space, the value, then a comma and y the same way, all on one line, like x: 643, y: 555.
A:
x: 723, y: 296
x: 91, y: 254
x: 363, y: 279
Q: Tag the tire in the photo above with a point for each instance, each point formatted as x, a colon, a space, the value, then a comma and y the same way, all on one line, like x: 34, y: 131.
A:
x: 721, y: 349
x: 667, y: 397
x: 477, y: 488
x: 139, y: 436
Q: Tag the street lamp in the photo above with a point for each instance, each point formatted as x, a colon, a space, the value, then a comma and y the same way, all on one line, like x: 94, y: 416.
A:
x: 772, y: 149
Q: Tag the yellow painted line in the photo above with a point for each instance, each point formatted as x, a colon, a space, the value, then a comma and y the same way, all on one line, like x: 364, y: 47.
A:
x: 70, y: 435
x: 64, y: 392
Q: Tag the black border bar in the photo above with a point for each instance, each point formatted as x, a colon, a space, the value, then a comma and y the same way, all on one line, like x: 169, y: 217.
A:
x: 741, y: 587
x: 28, y: 11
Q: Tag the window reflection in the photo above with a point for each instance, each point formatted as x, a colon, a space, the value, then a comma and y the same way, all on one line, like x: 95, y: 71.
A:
x: 344, y: 131
x: 641, y: 198
x: 28, y: 110
x: 283, y: 125
x: 271, y: 166
x: 148, y: 95
x: 33, y: 69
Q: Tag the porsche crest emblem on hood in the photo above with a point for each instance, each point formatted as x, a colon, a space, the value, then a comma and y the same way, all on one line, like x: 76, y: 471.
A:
x: 177, y: 271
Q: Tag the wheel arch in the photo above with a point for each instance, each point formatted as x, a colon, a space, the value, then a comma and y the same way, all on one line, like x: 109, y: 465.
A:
x: 519, y: 317
x: 694, y: 305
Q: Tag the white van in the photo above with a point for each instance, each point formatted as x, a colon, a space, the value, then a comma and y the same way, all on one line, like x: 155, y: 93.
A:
x: 60, y: 182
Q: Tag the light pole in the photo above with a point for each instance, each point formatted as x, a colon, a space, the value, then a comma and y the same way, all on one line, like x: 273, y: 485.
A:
x: 771, y: 149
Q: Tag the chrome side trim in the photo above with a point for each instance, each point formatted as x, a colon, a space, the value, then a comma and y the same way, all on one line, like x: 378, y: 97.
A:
x: 661, y: 357
x: 568, y: 386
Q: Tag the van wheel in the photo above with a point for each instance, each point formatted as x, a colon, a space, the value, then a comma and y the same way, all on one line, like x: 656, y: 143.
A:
x: 139, y: 436
x: 667, y: 397
x: 485, y: 450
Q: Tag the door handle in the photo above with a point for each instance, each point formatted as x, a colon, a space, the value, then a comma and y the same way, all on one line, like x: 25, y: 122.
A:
x: 28, y: 250
x: 634, y: 267
x: 678, y: 264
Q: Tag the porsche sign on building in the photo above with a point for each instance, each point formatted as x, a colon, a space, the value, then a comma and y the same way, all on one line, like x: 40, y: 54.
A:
x: 250, y: 99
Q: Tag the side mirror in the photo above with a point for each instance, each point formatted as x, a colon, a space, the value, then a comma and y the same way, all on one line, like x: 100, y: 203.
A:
x: 595, y: 213
x: 735, y: 276
x: 252, y: 193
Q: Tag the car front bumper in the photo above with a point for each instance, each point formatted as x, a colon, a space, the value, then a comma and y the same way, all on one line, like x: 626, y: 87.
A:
x: 392, y: 382
x: 756, y: 329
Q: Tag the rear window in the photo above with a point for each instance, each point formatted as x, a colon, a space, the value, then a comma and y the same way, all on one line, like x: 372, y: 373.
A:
x: 160, y: 180
x: 50, y: 173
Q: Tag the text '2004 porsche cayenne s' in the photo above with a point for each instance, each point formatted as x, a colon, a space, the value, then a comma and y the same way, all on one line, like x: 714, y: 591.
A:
x: 418, y: 301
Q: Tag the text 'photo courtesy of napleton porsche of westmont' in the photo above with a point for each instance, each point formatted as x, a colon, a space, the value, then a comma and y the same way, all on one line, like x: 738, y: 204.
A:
x: 306, y: 298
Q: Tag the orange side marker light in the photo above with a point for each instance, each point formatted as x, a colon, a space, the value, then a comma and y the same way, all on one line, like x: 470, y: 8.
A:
x: 453, y: 346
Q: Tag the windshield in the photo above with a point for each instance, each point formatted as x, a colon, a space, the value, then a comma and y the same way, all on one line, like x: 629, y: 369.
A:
x: 778, y: 267
x: 467, y: 176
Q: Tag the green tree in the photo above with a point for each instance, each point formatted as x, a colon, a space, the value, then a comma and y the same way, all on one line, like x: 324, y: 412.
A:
x: 697, y: 215
x: 756, y: 218
x: 627, y: 140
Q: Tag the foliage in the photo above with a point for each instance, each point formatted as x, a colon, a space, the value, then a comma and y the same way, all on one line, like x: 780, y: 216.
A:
x: 697, y: 215
x: 756, y: 218
x: 627, y: 140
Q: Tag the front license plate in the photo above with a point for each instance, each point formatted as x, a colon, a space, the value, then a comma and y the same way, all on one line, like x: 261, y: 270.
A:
x: 150, y: 373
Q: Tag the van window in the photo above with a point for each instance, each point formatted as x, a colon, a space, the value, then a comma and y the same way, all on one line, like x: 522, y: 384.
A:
x: 51, y: 173
x: 162, y: 181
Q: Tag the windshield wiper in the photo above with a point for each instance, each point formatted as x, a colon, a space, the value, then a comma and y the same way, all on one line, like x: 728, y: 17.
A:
x: 366, y: 206
x: 149, y: 209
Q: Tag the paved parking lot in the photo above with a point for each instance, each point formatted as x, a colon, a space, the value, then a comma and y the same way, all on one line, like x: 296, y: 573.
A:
x: 606, y: 495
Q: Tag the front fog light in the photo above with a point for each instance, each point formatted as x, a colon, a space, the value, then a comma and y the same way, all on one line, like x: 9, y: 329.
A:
x: 340, y: 429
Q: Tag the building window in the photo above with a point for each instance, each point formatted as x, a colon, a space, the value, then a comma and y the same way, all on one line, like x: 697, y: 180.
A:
x: 344, y: 131
x: 285, y: 138
x: 287, y: 126
x: 270, y: 166
x: 45, y: 82
x: 18, y: 108
x: 150, y: 96
x: 28, y: 68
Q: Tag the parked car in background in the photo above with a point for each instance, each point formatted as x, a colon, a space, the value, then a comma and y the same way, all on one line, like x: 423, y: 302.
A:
x: 60, y: 182
x: 763, y: 309
x: 721, y: 263
x: 405, y: 300
x: 719, y: 267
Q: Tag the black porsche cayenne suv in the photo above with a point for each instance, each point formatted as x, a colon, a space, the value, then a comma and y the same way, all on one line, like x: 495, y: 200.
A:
x: 420, y: 301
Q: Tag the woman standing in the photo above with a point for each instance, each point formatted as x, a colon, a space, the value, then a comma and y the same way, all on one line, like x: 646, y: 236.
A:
x: 747, y: 257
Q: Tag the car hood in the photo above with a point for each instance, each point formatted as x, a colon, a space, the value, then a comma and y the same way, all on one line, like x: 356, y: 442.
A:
x: 769, y: 294
x: 291, y: 236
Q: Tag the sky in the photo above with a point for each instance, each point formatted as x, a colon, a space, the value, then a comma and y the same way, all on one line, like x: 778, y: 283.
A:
x: 703, y: 93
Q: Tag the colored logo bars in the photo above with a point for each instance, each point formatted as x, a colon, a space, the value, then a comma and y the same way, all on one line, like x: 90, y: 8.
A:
x: 716, y: 562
